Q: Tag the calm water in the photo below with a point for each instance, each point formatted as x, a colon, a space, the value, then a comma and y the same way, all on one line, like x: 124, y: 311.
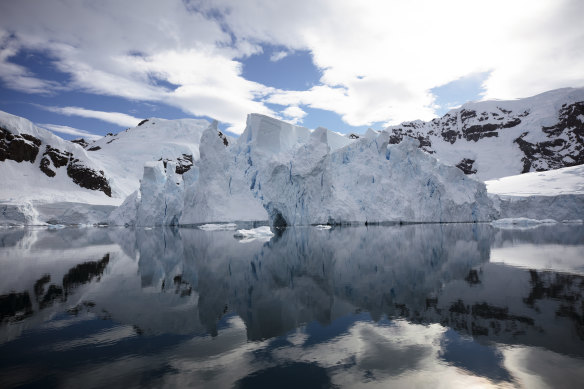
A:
x: 420, y: 305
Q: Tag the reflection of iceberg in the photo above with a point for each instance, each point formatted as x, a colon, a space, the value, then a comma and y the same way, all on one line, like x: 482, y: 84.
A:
x: 186, y: 280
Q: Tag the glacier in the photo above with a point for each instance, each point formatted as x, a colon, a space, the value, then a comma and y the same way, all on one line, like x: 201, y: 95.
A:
x: 291, y: 175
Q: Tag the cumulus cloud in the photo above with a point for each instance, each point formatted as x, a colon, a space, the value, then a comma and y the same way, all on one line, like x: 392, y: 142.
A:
x: 379, y: 60
x: 294, y: 113
x: 118, y: 118
x: 70, y: 131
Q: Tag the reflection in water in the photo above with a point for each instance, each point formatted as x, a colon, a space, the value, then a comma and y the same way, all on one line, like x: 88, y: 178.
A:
x: 347, y: 307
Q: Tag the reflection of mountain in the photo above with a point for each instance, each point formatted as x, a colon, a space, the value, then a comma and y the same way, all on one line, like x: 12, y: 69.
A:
x: 186, y: 280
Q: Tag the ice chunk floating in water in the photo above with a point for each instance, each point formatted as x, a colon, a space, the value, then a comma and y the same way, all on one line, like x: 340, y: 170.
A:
x: 260, y: 233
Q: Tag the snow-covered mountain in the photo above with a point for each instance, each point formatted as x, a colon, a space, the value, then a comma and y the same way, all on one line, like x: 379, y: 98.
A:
x: 37, y: 165
x: 494, y: 139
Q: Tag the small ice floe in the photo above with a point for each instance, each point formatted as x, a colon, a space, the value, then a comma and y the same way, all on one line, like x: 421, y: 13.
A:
x: 147, y: 228
x: 322, y: 227
x: 261, y: 233
x: 55, y: 226
x: 218, y: 227
x: 521, y: 222
x: 573, y: 221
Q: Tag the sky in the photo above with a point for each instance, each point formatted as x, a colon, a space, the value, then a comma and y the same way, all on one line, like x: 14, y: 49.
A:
x: 86, y: 68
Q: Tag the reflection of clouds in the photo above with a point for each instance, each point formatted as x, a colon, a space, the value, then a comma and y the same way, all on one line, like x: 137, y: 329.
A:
x: 387, y: 357
x: 540, y: 368
x: 102, y: 338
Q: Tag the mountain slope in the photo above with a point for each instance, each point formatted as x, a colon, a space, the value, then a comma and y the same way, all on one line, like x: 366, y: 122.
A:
x: 38, y: 165
x: 122, y: 156
x: 494, y: 139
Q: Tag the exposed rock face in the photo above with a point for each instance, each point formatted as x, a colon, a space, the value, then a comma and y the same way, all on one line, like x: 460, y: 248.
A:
x: 539, y: 133
x: 82, y: 175
x: 466, y: 166
x: 81, y: 142
x: 88, y: 178
x: 184, y: 163
x: 18, y: 147
x: 53, y: 157
x: 565, y: 146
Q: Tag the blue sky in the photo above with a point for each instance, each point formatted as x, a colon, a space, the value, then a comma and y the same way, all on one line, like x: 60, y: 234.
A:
x: 85, y: 68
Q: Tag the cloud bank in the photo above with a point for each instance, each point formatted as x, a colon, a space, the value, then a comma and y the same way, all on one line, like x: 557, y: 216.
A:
x: 379, y: 60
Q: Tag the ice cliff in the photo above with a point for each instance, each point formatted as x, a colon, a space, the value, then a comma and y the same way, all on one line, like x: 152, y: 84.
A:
x: 293, y: 176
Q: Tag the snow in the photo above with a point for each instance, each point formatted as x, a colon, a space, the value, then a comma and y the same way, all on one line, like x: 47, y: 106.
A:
x: 260, y: 233
x: 24, y: 182
x: 569, y: 180
x: 554, y: 194
x: 218, y: 227
x: 123, y: 155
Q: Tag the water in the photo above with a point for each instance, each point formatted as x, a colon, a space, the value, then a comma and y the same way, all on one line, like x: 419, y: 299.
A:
x: 420, y: 305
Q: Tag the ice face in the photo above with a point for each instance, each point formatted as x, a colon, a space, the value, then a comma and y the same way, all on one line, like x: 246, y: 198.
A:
x: 292, y: 176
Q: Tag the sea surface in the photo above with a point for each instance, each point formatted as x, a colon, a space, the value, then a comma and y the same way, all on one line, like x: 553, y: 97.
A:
x: 442, y: 305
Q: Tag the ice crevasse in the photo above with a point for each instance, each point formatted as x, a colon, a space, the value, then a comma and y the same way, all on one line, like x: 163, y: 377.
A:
x: 291, y: 175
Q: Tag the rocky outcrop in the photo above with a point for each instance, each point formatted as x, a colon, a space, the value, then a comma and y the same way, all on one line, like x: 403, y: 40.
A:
x: 529, y: 131
x: 18, y: 147
x: 565, y: 146
x: 88, y: 178
x: 184, y: 163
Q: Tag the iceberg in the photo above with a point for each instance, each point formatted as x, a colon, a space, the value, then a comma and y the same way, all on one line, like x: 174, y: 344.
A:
x: 291, y: 175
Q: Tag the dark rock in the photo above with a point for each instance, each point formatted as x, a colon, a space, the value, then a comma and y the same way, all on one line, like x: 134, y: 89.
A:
x: 450, y: 136
x: 81, y: 142
x: 39, y: 285
x: 15, y: 304
x: 184, y: 163
x: 88, y: 178
x: 353, y: 136
x: 53, y: 293
x: 466, y: 166
x: 142, y: 122
x: 473, y: 277
x: 459, y: 307
x: 222, y: 136
x: 58, y: 157
x: 84, y: 273
x: 45, y: 167
x: 94, y: 148
x: 18, y: 148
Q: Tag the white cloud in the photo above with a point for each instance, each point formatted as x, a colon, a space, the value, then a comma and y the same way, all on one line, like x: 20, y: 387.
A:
x: 379, y: 59
x: 278, y: 55
x: 70, y: 131
x: 294, y: 113
x: 118, y: 118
